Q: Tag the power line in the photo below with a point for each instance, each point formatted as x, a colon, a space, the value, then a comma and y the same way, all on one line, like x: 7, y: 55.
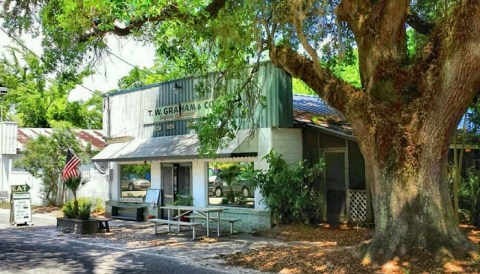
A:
x: 32, y: 52
x: 121, y: 59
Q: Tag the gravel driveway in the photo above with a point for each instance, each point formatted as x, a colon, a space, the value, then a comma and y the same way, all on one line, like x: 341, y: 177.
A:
x: 139, y: 237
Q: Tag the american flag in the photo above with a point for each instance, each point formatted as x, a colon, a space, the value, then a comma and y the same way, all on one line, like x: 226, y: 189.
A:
x: 70, y: 169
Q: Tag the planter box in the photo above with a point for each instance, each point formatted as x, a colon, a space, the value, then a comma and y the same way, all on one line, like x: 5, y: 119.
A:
x: 77, y: 226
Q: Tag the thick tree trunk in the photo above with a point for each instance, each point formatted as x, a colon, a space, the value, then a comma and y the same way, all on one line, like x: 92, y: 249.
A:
x: 409, y: 185
x: 414, y: 211
x: 404, y: 116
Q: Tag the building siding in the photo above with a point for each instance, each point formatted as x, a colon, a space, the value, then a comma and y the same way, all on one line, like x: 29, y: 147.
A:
x: 131, y: 105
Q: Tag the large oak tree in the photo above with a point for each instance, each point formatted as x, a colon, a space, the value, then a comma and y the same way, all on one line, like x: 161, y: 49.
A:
x: 414, y: 88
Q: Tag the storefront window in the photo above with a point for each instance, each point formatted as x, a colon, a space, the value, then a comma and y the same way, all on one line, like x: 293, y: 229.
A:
x: 229, y: 184
x: 135, y: 180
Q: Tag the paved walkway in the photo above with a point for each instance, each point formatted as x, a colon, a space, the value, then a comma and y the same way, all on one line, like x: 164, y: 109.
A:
x: 139, y: 237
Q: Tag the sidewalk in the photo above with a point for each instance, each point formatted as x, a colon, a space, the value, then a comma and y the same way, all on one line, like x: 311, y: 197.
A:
x: 139, y: 237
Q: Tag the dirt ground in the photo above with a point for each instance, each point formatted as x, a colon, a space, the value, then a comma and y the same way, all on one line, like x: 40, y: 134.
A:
x: 319, y: 249
x: 46, y: 209
x: 335, y: 250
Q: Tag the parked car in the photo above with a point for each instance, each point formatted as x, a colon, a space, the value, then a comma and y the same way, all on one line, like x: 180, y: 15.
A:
x: 220, y: 187
x: 134, y: 182
x: 212, y: 175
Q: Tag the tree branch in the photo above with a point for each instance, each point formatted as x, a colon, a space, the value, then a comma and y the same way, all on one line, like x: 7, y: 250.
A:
x: 332, y: 89
x: 354, y: 13
x: 455, y: 60
x: 379, y: 31
x: 169, y: 12
x: 298, y: 24
x: 418, y: 24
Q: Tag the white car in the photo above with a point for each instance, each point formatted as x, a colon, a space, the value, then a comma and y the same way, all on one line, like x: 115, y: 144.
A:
x: 134, y: 182
x: 220, y: 187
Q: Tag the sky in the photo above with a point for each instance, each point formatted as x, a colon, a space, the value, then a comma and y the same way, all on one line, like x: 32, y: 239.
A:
x: 108, y: 71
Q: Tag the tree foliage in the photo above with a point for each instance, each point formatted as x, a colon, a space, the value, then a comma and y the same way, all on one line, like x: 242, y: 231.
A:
x: 160, y: 72
x: 36, y: 100
x: 73, y: 183
x: 291, y: 193
x: 44, y: 157
x: 469, y: 192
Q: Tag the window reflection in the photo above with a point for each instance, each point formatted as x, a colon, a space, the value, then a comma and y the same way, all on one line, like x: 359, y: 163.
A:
x: 229, y: 184
x: 135, y: 180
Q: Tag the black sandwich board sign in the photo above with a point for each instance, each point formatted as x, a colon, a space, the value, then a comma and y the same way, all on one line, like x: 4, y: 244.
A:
x: 20, y: 205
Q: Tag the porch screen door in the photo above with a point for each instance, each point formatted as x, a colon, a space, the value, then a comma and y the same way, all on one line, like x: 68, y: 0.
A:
x: 335, y: 182
x: 184, y: 179
x: 168, y: 184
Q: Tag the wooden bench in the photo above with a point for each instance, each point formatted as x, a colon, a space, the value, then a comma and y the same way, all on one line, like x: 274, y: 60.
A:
x: 138, y: 208
x: 214, y: 219
x: 103, y: 223
x: 172, y: 222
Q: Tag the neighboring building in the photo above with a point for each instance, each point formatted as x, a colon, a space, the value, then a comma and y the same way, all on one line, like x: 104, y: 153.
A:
x: 13, y: 141
x: 326, y: 134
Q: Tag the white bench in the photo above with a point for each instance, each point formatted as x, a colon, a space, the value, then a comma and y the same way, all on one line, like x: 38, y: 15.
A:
x: 213, y: 219
x: 176, y: 223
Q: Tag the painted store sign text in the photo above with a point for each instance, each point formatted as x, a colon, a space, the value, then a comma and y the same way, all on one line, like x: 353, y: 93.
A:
x: 188, y: 110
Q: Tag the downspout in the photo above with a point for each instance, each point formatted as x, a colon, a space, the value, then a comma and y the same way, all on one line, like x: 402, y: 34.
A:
x: 107, y: 129
x: 106, y: 106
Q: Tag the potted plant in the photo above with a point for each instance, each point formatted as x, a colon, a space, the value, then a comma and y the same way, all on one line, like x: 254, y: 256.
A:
x: 76, y: 216
x: 183, y: 200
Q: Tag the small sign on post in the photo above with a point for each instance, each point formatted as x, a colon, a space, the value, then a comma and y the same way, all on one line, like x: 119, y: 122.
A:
x: 20, y: 209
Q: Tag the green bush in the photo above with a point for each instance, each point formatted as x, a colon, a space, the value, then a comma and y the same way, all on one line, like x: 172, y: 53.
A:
x: 183, y: 200
x: 84, y: 211
x: 290, y: 192
x: 469, y: 195
x: 68, y: 210
x: 228, y: 175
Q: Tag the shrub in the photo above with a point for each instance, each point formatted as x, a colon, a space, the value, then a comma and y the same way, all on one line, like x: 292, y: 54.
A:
x: 240, y: 199
x: 73, y: 183
x: 184, y: 200
x: 228, y: 175
x: 68, y: 210
x: 469, y: 195
x: 290, y: 192
x: 84, y: 211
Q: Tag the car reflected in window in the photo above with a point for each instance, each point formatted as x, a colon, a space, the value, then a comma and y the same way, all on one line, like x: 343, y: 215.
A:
x: 134, y: 182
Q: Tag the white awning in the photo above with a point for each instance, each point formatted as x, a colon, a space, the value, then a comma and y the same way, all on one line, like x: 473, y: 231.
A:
x: 174, y: 147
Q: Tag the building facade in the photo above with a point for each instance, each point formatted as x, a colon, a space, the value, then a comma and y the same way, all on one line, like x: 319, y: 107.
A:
x: 152, y: 146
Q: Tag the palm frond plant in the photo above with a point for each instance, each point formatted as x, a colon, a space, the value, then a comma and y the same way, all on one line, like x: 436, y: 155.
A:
x: 73, y: 183
x: 229, y: 175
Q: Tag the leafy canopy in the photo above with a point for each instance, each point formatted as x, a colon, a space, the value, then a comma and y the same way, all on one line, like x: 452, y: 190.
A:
x: 196, y: 37
x: 191, y: 37
x: 37, y: 100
